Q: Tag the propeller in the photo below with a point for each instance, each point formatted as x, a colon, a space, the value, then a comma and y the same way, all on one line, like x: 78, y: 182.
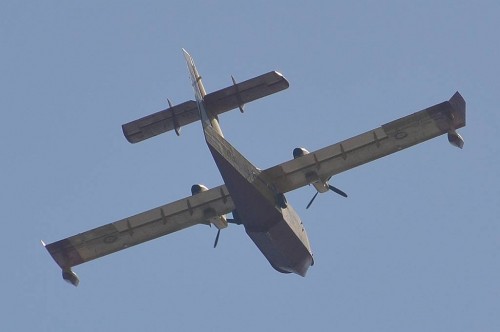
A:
x: 217, y: 238
x: 236, y: 220
x: 337, y: 190
x: 312, y: 200
x: 332, y: 188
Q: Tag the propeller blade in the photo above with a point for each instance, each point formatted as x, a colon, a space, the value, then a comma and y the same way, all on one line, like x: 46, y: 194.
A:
x: 217, y: 238
x: 312, y: 200
x: 337, y: 190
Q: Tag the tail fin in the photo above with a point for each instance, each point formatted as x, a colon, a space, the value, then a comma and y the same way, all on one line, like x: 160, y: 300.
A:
x: 199, y: 90
x: 207, y: 118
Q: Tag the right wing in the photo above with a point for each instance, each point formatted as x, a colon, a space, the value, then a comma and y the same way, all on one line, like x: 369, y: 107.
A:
x: 216, y: 102
x: 122, y: 234
x: 392, y: 137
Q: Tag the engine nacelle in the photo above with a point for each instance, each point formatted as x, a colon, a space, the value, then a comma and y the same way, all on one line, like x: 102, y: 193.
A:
x: 299, y: 152
x: 218, y: 221
x: 198, y: 188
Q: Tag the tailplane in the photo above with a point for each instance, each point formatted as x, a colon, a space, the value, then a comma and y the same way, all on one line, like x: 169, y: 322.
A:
x: 210, y: 105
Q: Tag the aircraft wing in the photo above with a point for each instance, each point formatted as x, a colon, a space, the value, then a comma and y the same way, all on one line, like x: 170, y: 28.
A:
x: 140, y: 228
x: 175, y: 117
x: 389, y: 138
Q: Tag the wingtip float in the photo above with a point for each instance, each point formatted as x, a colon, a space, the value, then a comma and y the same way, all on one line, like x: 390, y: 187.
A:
x: 70, y: 277
x: 67, y: 274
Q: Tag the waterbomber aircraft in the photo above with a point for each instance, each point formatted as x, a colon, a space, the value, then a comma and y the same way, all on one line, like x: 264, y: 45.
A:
x: 254, y: 197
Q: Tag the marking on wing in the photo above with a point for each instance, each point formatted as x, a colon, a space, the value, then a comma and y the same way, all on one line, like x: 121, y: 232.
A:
x: 400, y: 134
x: 224, y: 197
x: 344, y: 155
x: 163, y: 217
x: 209, y: 213
x: 318, y: 164
x: 130, y: 229
x: 376, y: 139
x: 110, y: 239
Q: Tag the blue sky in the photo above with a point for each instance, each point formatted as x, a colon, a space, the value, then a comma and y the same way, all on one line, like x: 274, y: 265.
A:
x: 415, y: 247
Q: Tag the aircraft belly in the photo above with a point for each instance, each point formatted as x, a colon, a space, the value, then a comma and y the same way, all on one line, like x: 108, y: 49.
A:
x: 277, y: 232
x: 267, y: 225
x: 257, y: 212
x: 283, y: 249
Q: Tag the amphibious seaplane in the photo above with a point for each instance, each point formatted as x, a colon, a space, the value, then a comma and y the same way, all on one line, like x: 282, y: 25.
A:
x: 254, y: 197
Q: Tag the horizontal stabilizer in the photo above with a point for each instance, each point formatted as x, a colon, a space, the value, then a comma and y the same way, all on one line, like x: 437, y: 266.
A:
x: 241, y: 93
x: 175, y: 117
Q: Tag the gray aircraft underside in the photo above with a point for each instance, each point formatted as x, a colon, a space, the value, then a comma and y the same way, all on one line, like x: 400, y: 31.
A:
x: 255, y: 197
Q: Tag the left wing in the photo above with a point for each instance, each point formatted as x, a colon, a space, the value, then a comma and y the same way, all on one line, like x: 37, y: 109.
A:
x: 394, y: 136
x: 122, y: 234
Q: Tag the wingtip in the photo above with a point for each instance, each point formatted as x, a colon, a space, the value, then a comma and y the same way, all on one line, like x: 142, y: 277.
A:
x: 459, y: 110
x: 43, y: 243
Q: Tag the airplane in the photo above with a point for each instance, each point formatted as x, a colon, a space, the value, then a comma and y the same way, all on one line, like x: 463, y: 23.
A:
x: 255, y: 197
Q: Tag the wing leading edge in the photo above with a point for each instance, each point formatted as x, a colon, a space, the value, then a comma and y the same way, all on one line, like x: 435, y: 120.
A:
x: 140, y: 228
x: 394, y: 136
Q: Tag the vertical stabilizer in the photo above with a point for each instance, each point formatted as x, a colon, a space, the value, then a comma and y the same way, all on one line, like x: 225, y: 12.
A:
x: 199, y: 90
x: 207, y: 118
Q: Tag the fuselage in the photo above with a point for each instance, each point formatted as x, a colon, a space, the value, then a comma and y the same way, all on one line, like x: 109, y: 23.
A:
x: 269, y: 221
